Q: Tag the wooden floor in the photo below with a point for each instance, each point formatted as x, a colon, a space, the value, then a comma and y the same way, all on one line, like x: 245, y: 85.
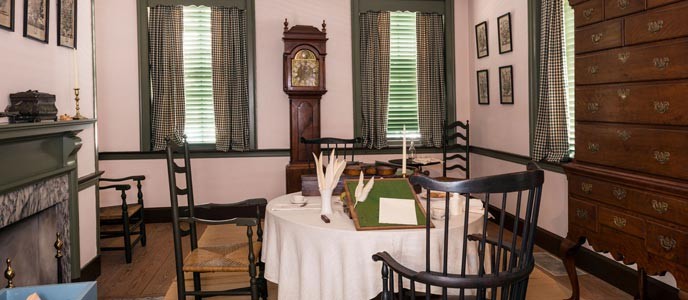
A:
x: 151, y: 274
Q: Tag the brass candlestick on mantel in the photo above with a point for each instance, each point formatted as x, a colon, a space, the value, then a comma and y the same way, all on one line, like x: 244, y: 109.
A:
x: 9, y: 274
x: 78, y: 115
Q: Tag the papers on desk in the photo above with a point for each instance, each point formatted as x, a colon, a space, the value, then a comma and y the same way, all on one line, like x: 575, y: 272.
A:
x: 398, y: 211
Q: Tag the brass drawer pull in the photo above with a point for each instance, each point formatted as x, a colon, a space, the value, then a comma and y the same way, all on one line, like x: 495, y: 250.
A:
x: 624, y: 56
x: 667, y: 242
x: 623, y: 135
x: 592, y: 147
x: 596, y: 37
x: 593, y: 69
x: 588, y: 13
x: 619, y: 193
x: 623, y: 4
x: 593, y: 107
x: 661, y: 107
x: 660, y: 207
x: 623, y: 93
x: 581, y: 213
x: 620, y: 222
x: 662, y: 157
x: 661, y: 62
x: 586, y: 187
x: 655, y: 26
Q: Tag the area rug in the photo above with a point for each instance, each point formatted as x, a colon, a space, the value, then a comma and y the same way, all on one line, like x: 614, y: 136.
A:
x: 552, y: 264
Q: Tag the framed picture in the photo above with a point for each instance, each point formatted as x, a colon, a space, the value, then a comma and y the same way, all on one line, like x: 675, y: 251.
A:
x: 483, y: 79
x: 504, y: 28
x: 66, y: 23
x: 7, y: 14
x: 481, y: 39
x: 506, y: 85
x: 36, y: 19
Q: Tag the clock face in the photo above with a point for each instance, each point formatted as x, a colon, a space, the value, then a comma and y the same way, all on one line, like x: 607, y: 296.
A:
x: 305, y: 69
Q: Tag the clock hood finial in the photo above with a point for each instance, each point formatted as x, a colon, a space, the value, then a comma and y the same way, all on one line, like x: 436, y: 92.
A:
x: 286, y: 24
x: 323, y: 26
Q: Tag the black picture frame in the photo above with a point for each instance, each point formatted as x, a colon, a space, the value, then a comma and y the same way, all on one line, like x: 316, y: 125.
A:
x: 7, y: 25
x: 63, y: 22
x: 481, y: 38
x: 506, y: 85
x: 32, y: 32
x: 504, y: 33
x: 483, y: 87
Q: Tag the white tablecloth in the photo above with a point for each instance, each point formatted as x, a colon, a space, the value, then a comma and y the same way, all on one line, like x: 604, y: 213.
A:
x: 310, y: 259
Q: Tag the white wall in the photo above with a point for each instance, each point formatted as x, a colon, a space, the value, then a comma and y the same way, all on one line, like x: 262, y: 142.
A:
x: 28, y: 64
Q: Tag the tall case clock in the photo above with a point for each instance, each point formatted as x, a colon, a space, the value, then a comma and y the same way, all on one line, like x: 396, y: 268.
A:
x: 304, y: 83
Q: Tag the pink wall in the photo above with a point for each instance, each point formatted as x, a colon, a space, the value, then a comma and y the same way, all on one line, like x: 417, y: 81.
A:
x: 28, y: 64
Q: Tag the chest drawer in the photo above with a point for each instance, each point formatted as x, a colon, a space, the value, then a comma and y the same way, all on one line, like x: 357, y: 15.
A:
x: 667, y: 242
x: 656, y: 103
x: 650, y: 150
x: 665, y: 23
x: 616, y: 8
x: 598, y: 190
x: 622, y: 222
x: 599, y: 36
x: 659, y: 206
x: 655, y: 3
x: 583, y: 214
x: 657, y: 61
x: 588, y: 12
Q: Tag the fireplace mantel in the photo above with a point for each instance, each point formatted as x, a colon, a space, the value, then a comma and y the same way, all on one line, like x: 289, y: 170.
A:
x: 33, y: 153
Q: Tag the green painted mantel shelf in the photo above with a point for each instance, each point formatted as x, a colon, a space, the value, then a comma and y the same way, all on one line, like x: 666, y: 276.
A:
x: 10, y: 131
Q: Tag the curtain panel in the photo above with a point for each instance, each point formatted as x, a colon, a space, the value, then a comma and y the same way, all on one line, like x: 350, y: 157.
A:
x: 166, y: 60
x: 431, y: 78
x: 230, y: 78
x: 551, y: 137
x: 374, y: 60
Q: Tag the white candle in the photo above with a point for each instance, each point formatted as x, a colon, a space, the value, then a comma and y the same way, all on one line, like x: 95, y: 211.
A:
x: 76, y: 70
x: 403, y: 151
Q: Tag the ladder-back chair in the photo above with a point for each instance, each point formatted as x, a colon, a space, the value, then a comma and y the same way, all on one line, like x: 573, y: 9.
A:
x: 344, y: 148
x: 502, y: 272
x: 456, y: 150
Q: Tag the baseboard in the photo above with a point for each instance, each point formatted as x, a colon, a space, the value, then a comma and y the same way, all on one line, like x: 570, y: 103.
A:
x: 90, y: 271
x: 164, y: 214
x: 600, y: 266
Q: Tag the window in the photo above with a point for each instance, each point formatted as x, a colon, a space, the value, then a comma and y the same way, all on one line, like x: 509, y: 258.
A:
x: 198, y: 76
x: 403, y: 83
x: 569, y: 62
x: 197, y: 38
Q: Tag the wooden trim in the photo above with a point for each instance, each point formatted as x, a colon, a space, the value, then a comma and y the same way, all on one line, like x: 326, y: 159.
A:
x: 612, y: 272
x: 89, y: 180
x: 134, y: 155
x: 516, y: 158
x: 91, y: 271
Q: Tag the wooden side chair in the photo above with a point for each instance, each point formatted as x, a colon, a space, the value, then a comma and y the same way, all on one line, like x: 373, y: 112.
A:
x: 242, y: 257
x: 345, y: 148
x: 456, y: 150
x: 124, y: 220
x: 502, y: 272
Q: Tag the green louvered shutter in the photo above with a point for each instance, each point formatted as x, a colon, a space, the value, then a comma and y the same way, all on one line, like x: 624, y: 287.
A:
x: 198, y: 76
x: 569, y: 37
x: 403, y: 93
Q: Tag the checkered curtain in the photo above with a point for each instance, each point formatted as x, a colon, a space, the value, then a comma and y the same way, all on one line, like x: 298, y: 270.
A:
x: 374, y: 55
x: 551, y: 138
x: 431, y: 96
x: 230, y: 78
x: 165, y: 30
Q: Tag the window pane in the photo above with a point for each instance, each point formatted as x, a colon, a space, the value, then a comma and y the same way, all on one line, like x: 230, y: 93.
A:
x: 198, y: 76
x: 569, y: 62
x: 403, y: 93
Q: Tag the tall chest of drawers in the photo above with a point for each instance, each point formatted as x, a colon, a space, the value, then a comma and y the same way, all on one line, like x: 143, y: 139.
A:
x: 628, y: 185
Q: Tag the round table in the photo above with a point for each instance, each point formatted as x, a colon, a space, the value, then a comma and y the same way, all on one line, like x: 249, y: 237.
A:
x: 311, y: 259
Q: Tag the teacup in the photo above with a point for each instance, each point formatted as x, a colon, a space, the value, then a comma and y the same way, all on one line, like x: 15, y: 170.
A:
x: 437, y: 213
x: 298, y: 199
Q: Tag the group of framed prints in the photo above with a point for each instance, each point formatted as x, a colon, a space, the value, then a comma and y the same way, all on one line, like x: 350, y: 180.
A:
x: 506, y: 86
x: 37, y: 20
x: 506, y: 73
x: 504, y: 36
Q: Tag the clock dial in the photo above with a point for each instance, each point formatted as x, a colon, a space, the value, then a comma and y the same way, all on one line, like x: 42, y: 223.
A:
x: 305, y: 69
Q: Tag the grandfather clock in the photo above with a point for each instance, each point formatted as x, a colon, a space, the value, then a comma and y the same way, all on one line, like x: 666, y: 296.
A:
x: 304, y: 82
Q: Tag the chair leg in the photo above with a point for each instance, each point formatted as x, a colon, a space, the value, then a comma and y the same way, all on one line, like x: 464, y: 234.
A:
x: 127, y: 239
x: 263, y: 283
x: 197, y: 284
x: 142, y: 228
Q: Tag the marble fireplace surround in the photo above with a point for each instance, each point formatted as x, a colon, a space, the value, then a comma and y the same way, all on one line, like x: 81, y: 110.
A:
x: 39, y: 189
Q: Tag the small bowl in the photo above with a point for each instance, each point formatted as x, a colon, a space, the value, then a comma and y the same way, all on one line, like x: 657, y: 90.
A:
x: 369, y: 169
x: 353, y: 170
x: 437, y: 213
x: 386, y: 170
x: 298, y: 199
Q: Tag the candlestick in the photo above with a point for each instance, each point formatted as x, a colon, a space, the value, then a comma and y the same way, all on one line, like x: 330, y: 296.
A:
x: 403, y: 152
x: 78, y: 115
